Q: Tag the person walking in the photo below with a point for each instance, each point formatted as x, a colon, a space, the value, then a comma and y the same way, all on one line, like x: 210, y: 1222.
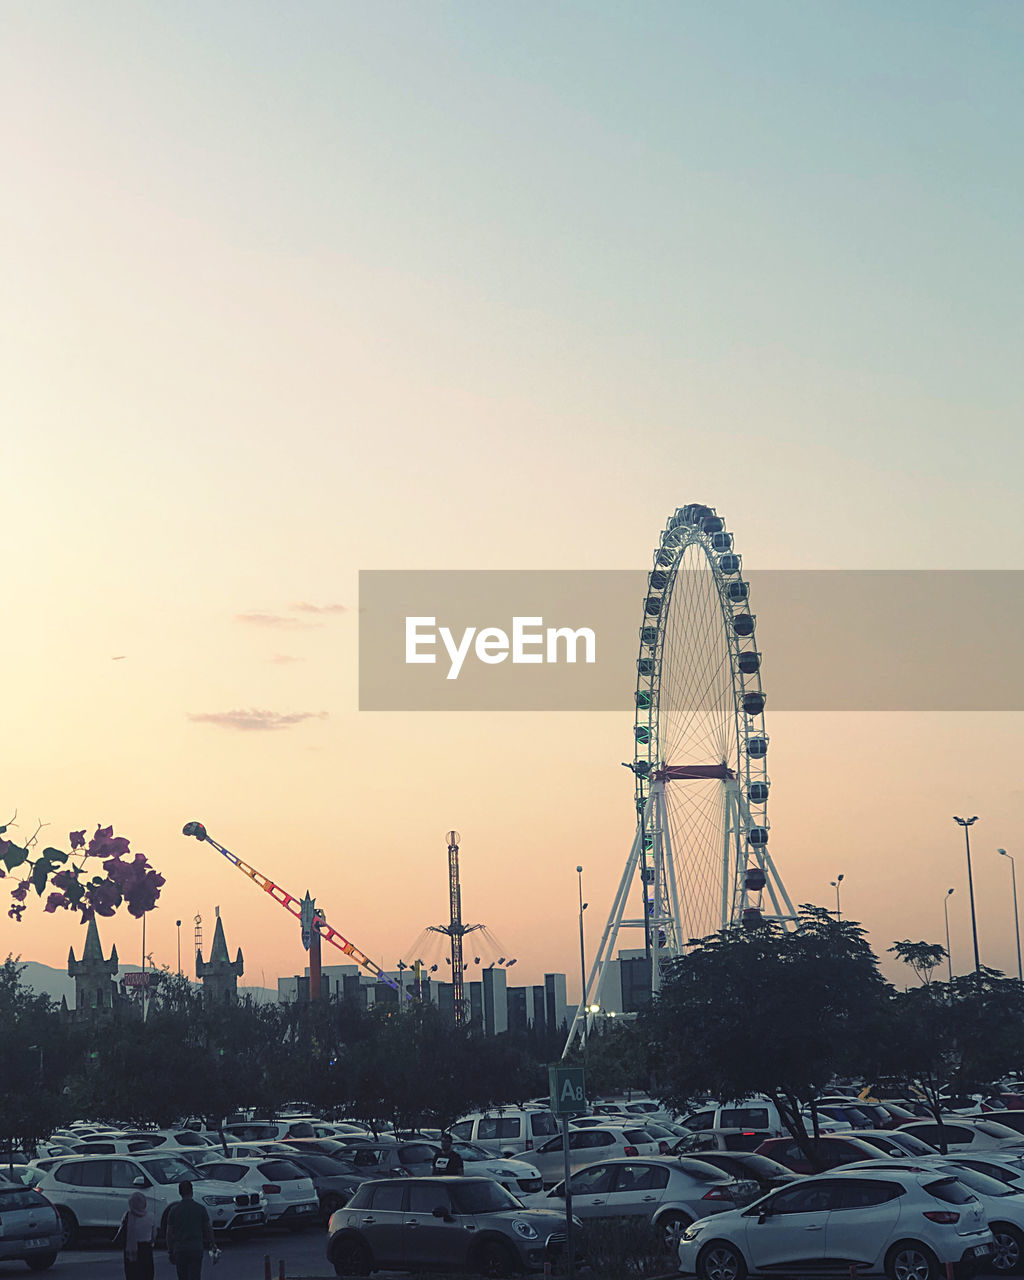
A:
x: 189, y: 1232
x: 447, y: 1161
x: 138, y: 1235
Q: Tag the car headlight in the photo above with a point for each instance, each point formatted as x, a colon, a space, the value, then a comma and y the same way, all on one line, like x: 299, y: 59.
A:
x: 523, y: 1229
x: 218, y: 1199
x: 692, y: 1232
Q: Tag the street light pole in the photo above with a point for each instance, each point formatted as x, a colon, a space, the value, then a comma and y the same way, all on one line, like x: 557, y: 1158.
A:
x: 178, y: 924
x: 949, y: 954
x: 835, y: 885
x: 583, y: 959
x: 1016, y: 917
x: 967, y: 823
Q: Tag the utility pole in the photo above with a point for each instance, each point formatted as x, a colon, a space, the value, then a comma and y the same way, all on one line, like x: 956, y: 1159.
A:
x: 967, y: 823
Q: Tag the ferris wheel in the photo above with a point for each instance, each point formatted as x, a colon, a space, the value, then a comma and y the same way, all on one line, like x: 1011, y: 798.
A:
x: 700, y: 758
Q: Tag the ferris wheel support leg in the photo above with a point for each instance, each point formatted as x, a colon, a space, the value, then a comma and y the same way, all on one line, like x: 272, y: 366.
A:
x: 599, y: 969
x: 774, y: 879
x: 729, y: 827
x: 675, y: 945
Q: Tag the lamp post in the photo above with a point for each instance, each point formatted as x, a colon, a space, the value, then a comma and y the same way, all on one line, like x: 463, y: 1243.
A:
x: 1016, y: 916
x: 967, y: 823
x: 583, y: 958
x: 835, y: 885
x: 178, y: 925
x: 949, y: 954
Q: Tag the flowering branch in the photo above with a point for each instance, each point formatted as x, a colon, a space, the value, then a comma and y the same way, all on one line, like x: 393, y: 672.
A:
x: 133, y: 881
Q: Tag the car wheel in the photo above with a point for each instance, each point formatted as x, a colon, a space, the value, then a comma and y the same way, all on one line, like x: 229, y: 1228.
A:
x: 68, y: 1228
x: 41, y: 1264
x: 351, y: 1257
x: 1007, y: 1249
x: 909, y: 1260
x: 671, y: 1228
x: 720, y: 1261
x: 494, y: 1261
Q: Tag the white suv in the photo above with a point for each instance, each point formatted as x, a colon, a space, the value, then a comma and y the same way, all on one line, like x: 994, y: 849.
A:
x: 508, y: 1132
x: 90, y: 1193
x: 902, y: 1224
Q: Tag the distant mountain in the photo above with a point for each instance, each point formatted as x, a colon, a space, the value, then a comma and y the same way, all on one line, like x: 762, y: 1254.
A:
x: 55, y: 983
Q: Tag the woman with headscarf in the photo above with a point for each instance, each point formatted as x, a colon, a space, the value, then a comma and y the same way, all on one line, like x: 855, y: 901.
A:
x: 139, y: 1228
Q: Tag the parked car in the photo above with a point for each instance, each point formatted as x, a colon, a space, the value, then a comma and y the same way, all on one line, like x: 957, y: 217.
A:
x: 721, y: 1140
x: 333, y: 1182
x: 962, y: 1134
x: 832, y: 1150
x: 160, y: 1139
x: 90, y: 1193
x: 671, y: 1193
x: 29, y: 1227
x: 752, y: 1113
x: 588, y: 1145
x: 417, y: 1159
x: 509, y: 1132
x: 894, y: 1222
x: 997, y: 1164
x: 442, y: 1224
x: 1003, y: 1206
x: 746, y: 1166
x: 291, y: 1198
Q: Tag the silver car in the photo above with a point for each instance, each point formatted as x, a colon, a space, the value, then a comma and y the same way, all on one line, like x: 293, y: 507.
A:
x: 672, y: 1193
x: 443, y: 1224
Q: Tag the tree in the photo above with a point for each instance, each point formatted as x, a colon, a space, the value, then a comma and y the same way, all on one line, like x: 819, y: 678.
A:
x: 923, y: 957
x: 768, y: 1011
x: 34, y: 1048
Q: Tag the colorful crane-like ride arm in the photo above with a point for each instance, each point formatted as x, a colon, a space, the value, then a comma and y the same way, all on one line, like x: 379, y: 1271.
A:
x: 294, y: 905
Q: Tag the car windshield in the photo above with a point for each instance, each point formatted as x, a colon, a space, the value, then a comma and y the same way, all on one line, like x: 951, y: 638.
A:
x: 470, y: 1151
x: 481, y: 1197
x: 169, y: 1169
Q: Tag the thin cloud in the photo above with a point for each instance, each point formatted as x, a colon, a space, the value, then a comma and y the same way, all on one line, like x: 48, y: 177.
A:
x: 273, y: 620
x: 282, y: 658
x: 303, y: 606
x: 254, y: 718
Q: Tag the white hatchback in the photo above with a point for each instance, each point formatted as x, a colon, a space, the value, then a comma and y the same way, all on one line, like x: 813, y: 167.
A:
x: 289, y: 1191
x: 900, y: 1223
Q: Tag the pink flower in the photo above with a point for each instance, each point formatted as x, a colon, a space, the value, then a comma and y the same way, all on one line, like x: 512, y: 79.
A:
x: 56, y: 900
x: 77, y: 839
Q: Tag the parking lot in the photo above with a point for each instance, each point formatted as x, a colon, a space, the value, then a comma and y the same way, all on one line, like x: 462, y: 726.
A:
x: 301, y: 1252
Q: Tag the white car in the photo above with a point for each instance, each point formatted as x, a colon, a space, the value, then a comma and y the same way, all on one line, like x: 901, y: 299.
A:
x: 1003, y: 1205
x: 90, y: 1193
x: 900, y: 1223
x: 289, y: 1191
x: 587, y: 1146
x: 963, y: 1134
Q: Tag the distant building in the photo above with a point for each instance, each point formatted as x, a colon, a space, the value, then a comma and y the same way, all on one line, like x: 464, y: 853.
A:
x: 219, y: 974
x: 95, y: 989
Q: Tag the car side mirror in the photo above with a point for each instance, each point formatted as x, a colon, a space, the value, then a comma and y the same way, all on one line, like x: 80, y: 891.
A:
x: 140, y: 1181
x: 763, y: 1215
x: 442, y: 1213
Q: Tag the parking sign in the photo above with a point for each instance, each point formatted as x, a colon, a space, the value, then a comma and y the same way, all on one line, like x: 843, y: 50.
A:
x: 568, y: 1090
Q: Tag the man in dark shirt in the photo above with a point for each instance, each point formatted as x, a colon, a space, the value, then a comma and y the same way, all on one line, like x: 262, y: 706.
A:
x: 447, y: 1160
x: 189, y: 1232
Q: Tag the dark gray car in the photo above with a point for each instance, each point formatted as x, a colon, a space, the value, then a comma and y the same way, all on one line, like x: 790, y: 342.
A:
x: 442, y: 1224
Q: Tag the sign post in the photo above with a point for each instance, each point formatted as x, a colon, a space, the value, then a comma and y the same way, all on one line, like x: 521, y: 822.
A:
x: 568, y: 1093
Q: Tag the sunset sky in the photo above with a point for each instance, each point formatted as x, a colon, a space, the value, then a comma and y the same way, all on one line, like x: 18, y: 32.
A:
x: 291, y: 292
